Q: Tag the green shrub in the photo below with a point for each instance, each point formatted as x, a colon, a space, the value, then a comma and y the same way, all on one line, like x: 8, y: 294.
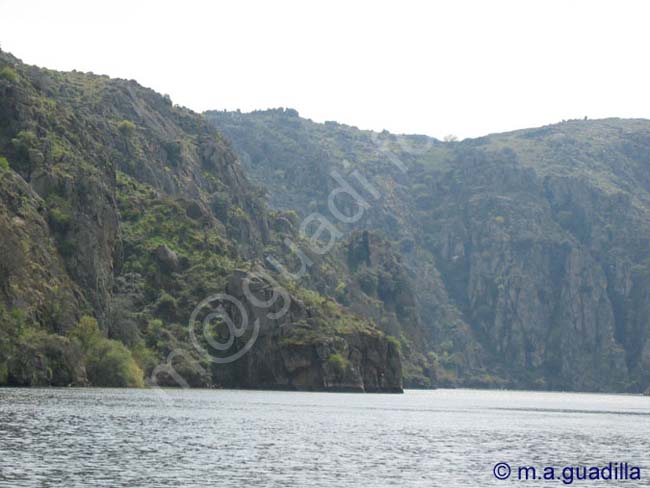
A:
x: 126, y: 127
x: 43, y: 359
x: 394, y: 341
x: 8, y: 73
x: 87, y: 333
x: 12, y: 326
x: 174, y: 150
x: 4, y: 164
x: 24, y: 140
x: 28, y: 154
x: 59, y: 212
x: 166, y: 307
x: 59, y: 219
x: 108, y: 362
x: 341, y: 293
x: 337, y: 363
x: 111, y: 364
x: 144, y: 357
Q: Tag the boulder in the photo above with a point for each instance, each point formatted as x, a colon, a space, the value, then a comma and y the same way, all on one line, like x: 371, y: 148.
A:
x: 167, y: 258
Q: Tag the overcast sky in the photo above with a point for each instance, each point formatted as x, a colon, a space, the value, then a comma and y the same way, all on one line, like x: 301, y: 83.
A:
x: 462, y: 67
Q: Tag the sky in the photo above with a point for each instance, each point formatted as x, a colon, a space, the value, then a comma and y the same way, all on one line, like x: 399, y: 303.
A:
x: 459, y: 67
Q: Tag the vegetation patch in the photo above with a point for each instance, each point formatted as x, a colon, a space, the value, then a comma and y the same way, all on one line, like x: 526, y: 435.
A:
x: 108, y: 362
x: 8, y: 73
x: 338, y: 363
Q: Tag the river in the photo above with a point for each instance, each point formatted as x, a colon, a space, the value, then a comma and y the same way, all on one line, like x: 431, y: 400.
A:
x: 226, y: 438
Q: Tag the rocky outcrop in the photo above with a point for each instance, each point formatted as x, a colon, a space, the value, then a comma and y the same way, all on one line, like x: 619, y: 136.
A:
x: 167, y: 258
x: 299, y: 351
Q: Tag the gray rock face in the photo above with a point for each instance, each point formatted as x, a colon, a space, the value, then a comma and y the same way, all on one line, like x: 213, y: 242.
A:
x: 537, y: 296
x: 527, y: 252
x: 33, y: 276
x: 293, y: 352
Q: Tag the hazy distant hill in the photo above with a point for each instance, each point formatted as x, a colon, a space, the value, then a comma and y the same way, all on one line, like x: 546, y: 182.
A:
x: 518, y: 259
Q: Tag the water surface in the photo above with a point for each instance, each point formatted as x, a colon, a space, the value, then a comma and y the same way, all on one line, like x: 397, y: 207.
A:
x: 222, y: 438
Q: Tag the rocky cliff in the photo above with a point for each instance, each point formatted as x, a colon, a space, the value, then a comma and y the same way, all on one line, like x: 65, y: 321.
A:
x: 120, y: 212
x: 513, y: 260
x: 520, y: 259
x: 289, y: 355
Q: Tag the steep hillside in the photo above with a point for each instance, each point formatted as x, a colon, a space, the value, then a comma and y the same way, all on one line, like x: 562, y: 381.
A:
x: 526, y: 254
x: 120, y: 214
